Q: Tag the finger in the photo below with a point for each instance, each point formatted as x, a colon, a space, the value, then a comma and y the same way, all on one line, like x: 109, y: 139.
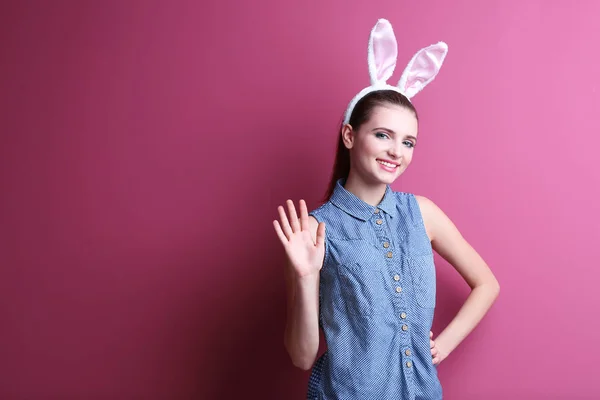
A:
x: 431, y: 344
x: 436, y: 360
x: 321, y: 234
x: 434, y: 352
x: 303, y: 216
x: 280, y: 233
x: 285, y: 225
x: 295, y: 224
x: 430, y: 334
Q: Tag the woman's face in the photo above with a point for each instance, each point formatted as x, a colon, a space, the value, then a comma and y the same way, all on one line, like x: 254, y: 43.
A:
x: 383, y: 146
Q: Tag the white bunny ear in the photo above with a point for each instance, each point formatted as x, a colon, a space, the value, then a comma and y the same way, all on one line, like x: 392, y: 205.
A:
x: 422, y: 69
x: 383, y: 52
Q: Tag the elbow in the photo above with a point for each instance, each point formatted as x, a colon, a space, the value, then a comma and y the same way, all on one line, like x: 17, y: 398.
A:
x: 496, y: 286
x: 304, y: 363
x: 489, y: 288
x: 494, y: 289
x: 301, y: 359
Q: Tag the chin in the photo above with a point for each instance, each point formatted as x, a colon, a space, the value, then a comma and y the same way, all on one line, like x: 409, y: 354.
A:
x: 386, y: 180
x: 389, y: 181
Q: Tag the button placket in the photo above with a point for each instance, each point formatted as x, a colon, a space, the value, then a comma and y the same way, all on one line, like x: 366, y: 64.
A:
x: 382, y: 232
x: 395, y: 276
x: 407, y: 357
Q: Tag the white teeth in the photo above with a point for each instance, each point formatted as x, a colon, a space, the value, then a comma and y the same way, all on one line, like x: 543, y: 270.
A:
x: 387, y: 164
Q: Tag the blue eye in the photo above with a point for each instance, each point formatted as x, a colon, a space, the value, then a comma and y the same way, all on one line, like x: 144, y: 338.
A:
x: 409, y: 144
x: 382, y: 135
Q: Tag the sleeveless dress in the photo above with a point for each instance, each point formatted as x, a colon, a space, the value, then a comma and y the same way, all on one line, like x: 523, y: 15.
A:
x: 377, y: 297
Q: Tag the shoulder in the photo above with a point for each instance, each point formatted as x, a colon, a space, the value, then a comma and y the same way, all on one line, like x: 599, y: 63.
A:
x: 317, y: 216
x: 426, y: 206
x: 437, y: 223
x: 419, y: 207
x: 320, y: 213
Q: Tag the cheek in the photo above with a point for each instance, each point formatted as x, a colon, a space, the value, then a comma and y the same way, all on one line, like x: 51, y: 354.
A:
x: 368, y: 149
x: 375, y: 148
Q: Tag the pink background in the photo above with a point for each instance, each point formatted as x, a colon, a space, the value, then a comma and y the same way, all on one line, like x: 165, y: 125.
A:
x: 145, y: 146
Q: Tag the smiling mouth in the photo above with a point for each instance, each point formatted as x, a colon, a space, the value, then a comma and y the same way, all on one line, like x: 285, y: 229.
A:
x: 388, y: 164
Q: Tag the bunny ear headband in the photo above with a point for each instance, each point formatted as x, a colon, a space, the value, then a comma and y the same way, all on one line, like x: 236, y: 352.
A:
x: 382, y: 55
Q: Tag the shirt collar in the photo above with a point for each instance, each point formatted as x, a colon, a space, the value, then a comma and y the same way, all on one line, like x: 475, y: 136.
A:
x: 349, y: 203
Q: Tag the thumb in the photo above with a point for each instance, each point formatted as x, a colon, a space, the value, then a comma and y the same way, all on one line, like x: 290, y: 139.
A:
x: 321, y: 234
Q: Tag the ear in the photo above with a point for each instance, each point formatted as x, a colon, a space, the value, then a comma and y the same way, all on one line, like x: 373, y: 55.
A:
x: 383, y: 52
x: 348, y: 136
x: 422, y: 69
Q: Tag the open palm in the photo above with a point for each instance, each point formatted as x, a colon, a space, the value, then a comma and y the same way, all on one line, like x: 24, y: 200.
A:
x: 304, y: 253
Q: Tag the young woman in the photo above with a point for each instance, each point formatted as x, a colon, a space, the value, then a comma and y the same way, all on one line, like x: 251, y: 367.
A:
x: 361, y: 265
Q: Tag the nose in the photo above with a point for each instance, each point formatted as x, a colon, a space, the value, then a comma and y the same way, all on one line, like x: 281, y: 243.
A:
x: 395, y: 151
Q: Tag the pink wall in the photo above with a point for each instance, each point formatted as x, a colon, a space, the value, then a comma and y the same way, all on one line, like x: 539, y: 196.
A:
x: 146, y: 146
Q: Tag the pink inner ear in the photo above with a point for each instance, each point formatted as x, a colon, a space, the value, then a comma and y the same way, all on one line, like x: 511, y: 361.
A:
x: 385, y: 51
x: 424, y: 68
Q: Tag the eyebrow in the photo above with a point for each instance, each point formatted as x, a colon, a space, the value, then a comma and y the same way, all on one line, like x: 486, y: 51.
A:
x: 394, y: 133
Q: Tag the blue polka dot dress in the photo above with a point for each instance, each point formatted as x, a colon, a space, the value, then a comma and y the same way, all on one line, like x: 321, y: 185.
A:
x: 376, y: 300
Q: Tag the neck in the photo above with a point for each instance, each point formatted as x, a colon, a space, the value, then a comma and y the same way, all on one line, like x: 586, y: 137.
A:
x: 370, y: 193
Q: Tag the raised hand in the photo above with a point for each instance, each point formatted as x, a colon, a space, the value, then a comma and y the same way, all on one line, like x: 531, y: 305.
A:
x: 304, y: 253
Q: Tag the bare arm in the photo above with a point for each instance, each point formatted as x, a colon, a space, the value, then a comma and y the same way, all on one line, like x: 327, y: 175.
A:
x: 301, y: 337
x: 447, y: 241
x: 303, y: 241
